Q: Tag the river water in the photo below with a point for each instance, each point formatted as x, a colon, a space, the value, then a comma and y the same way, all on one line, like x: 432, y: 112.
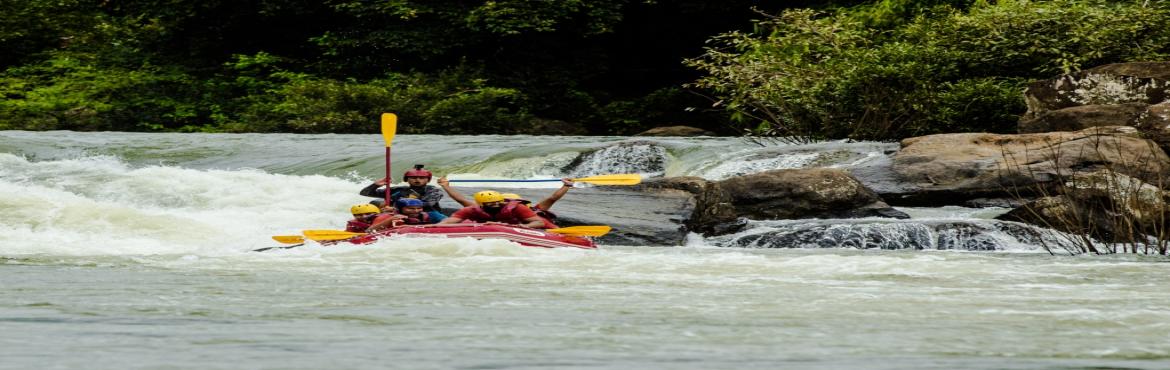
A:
x: 134, y: 251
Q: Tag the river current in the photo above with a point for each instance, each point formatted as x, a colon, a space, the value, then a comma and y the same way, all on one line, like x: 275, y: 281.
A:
x: 134, y: 251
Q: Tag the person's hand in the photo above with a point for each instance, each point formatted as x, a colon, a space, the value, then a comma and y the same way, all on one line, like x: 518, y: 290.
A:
x: 443, y: 181
x: 567, y: 182
x: 382, y: 182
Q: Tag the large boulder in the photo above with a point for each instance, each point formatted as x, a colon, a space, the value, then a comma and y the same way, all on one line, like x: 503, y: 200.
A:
x: 953, y: 168
x: 804, y: 193
x: 1141, y: 82
x: 676, y: 131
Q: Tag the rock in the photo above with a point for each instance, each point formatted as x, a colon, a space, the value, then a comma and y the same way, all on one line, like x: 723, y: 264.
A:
x: 713, y: 212
x: 1154, y: 123
x: 804, y: 193
x: 1105, y: 205
x: 1082, y: 117
x: 948, y: 169
x: 1142, y: 82
x: 676, y: 131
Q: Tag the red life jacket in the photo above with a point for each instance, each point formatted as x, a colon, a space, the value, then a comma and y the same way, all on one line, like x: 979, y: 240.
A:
x: 422, y: 219
x: 506, y: 215
x: 359, y: 226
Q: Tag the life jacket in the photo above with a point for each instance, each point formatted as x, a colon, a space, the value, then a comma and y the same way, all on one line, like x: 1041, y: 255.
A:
x: 359, y: 226
x: 506, y: 215
x: 412, y: 193
x: 422, y: 219
x: 547, y: 215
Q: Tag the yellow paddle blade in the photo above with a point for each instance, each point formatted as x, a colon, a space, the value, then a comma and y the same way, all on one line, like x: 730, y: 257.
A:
x: 620, y: 179
x: 322, y: 235
x: 289, y: 239
x: 389, y: 127
x: 582, y: 230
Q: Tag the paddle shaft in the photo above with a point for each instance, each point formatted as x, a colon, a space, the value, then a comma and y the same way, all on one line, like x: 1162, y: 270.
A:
x: 387, y: 176
x: 540, y: 180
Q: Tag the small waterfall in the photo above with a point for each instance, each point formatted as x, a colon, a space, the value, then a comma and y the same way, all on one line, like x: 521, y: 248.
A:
x: 939, y: 234
x: 646, y: 158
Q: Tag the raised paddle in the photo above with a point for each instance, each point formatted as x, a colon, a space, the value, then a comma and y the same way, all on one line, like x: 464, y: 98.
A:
x: 389, y: 127
x: 619, y: 179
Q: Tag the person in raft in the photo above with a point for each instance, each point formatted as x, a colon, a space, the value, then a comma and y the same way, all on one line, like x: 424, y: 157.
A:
x: 412, y: 212
x: 417, y: 188
x: 493, y: 208
x: 364, y: 216
x: 541, y: 209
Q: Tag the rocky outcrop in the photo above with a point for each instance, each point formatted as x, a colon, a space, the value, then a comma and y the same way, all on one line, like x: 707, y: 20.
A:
x: 676, y: 131
x: 1143, y: 82
x: 1123, y: 94
x: 953, y: 168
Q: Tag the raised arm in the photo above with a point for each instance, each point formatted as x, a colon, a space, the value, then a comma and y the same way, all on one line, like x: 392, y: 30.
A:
x: 372, y: 190
x: 454, y: 194
x: 547, y: 203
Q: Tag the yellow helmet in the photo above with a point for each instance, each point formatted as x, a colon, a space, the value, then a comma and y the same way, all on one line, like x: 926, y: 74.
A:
x: 363, y: 208
x: 488, y: 196
x: 510, y: 196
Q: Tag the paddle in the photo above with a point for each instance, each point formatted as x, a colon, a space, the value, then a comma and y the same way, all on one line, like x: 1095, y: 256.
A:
x: 582, y: 230
x: 286, y: 239
x: 620, y: 179
x: 389, y: 127
x: 289, y: 239
x: 326, y: 235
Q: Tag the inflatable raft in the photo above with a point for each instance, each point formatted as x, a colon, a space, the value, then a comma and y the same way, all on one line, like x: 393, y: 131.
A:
x: 519, y: 235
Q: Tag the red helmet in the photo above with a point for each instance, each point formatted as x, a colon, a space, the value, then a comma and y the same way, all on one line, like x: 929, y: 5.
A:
x: 418, y: 171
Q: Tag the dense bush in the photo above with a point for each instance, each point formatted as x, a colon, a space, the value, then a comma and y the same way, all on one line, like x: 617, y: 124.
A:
x: 855, y: 73
x: 68, y: 93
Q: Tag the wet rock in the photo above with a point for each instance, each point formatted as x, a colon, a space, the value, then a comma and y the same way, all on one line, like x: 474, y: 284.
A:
x: 804, y: 193
x: 1082, y: 117
x: 676, y: 131
x: 949, y: 169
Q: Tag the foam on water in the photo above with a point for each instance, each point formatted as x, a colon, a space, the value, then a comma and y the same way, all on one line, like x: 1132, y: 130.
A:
x: 99, y: 205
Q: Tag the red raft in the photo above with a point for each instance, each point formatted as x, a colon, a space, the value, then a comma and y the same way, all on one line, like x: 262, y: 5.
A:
x: 519, y: 235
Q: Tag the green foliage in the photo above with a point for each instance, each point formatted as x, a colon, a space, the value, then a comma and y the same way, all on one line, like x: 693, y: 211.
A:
x: 68, y: 93
x: 940, y: 69
x: 452, y: 102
